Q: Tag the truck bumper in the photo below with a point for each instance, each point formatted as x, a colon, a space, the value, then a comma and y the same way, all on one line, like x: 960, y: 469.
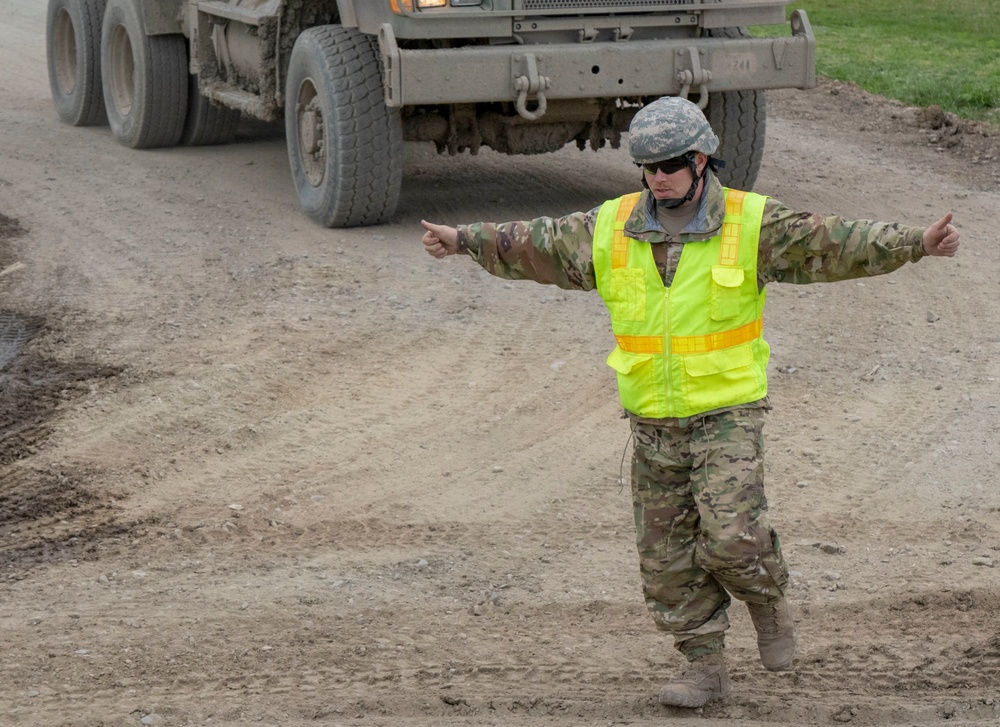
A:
x: 597, y: 70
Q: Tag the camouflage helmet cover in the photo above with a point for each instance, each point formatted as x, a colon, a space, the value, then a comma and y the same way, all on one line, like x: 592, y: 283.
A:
x: 669, y: 127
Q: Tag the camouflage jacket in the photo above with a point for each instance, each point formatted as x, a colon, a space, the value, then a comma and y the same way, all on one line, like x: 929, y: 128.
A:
x: 795, y: 247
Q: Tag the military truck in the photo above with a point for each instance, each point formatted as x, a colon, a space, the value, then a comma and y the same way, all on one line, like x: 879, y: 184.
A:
x: 355, y: 79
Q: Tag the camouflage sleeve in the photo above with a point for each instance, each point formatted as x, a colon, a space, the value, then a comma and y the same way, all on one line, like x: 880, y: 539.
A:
x: 801, y: 247
x: 557, y: 251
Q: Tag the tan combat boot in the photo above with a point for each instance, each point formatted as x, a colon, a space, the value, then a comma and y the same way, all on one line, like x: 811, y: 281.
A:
x: 775, y: 634
x: 704, y: 680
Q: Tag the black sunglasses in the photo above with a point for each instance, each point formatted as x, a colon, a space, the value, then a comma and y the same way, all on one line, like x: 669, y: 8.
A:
x: 667, y: 166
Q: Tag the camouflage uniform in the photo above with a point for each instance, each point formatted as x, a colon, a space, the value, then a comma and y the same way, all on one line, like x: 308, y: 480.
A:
x: 697, y: 483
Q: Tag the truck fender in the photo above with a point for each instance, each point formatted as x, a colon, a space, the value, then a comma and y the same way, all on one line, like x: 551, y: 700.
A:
x: 348, y: 18
x: 162, y: 17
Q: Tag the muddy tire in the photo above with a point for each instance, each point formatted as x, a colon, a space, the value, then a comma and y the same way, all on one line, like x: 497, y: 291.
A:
x: 145, y: 79
x: 345, y: 147
x: 207, y: 123
x: 73, y: 48
x: 740, y: 120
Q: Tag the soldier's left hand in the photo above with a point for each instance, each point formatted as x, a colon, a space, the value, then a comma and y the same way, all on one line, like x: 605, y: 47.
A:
x: 941, y: 238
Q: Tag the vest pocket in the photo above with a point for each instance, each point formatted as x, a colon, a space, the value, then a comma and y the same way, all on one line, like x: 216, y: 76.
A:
x: 625, y: 362
x: 718, y: 362
x: 725, y: 298
x: 626, y: 299
x: 719, y: 378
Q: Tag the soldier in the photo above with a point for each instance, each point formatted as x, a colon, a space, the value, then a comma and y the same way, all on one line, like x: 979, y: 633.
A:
x: 681, y: 268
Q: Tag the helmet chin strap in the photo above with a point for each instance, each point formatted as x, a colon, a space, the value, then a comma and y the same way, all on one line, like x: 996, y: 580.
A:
x: 675, y: 202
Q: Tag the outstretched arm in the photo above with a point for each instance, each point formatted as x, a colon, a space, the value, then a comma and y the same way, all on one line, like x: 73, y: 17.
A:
x: 804, y: 247
x: 941, y: 238
x: 552, y: 250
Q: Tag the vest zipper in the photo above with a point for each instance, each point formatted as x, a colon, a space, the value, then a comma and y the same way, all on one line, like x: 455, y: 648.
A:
x: 667, y: 352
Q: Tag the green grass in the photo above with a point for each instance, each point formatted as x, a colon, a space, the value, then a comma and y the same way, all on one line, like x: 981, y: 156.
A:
x: 921, y: 52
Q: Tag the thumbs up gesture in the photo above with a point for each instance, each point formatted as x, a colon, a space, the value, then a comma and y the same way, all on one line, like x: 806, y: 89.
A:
x: 439, y: 240
x: 941, y: 238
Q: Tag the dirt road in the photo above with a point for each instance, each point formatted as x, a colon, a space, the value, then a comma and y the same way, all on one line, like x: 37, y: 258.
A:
x: 253, y: 471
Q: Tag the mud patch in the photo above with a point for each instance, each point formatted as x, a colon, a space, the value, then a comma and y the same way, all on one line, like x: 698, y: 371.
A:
x: 48, y: 516
x: 51, y: 495
x: 44, y: 512
x: 15, y: 331
x: 31, y: 390
x: 10, y: 229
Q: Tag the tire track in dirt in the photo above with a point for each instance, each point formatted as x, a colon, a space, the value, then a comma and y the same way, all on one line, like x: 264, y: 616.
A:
x: 834, y: 687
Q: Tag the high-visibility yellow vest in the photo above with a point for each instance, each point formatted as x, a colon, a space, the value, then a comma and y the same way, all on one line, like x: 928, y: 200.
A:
x: 697, y: 345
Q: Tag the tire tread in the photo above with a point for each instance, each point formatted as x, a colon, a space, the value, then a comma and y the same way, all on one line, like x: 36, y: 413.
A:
x: 368, y: 147
x: 207, y: 123
x: 160, y: 96
x: 85, y: 106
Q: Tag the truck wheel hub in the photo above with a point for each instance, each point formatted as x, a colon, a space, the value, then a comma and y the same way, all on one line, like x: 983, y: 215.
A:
x: 311, y: 131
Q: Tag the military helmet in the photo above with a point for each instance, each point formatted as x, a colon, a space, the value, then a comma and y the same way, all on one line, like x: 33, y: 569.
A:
x: 669, y: 127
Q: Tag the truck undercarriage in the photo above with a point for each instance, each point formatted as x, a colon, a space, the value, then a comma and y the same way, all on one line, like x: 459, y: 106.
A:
x: 355, y: 80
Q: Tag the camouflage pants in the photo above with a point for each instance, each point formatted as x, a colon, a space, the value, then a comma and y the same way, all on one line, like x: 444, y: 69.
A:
x: 701, y: 525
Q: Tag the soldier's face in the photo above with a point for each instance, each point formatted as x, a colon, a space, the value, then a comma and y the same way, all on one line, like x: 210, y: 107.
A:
x: 666, y: 185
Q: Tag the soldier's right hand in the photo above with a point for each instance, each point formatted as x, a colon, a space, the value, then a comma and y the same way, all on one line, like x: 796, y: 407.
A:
x: 440, y: 241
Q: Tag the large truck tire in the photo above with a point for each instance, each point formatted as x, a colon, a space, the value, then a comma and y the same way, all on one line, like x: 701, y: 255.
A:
x: 345, y: 147
x: 73, y: 48
x: 207, y: 123
x: 145, y: 79
x: 739, y: 118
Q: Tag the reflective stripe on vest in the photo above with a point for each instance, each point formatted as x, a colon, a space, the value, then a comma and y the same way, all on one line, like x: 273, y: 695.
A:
x: 697, y: 345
